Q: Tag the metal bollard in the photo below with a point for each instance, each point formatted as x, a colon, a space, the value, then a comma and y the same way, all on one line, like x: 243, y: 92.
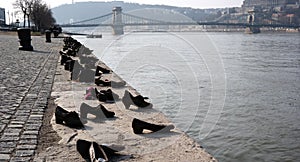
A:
x: 48, y: 36
x: 25, y: 39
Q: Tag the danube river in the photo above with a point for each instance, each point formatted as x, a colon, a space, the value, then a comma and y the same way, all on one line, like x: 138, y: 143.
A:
x: 238, y: 95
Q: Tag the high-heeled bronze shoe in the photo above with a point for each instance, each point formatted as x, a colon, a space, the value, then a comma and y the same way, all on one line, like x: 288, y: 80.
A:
x: 70, y: 119
x: 100, y: 82
x: 83, y: 147
x: 106, y: 95
x: 69, y: 65
x: 107, y: 83
x: 139, y: 101
x: 100, y: 96
x: 138, y: 126
x: 64, y: 58
x: 99, y: 111
x: 110, y: 95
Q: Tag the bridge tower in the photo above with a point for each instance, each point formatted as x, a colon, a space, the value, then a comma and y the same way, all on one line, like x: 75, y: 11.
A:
x: 117, y: 24
x: 252, y: 21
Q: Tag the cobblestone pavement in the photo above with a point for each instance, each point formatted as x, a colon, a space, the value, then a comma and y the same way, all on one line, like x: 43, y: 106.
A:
x: 26, y: 80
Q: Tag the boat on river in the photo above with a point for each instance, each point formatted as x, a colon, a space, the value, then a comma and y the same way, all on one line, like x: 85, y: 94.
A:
x: 252, y: 30
x: 94, y: 36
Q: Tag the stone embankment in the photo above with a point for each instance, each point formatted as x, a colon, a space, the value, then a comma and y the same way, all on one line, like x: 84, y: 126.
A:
x: 29, y: 131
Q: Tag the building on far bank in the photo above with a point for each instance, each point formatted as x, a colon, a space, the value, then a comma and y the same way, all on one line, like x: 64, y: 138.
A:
x: 274, y: 11
x: 269, y: 3
x: 2, y: 16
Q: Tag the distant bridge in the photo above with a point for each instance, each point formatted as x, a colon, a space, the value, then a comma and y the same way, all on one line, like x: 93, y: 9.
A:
x: 118, y: 20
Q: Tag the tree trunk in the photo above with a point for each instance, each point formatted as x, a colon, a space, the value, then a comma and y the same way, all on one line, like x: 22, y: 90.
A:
x: 28, y: 19
x: 24, y: 20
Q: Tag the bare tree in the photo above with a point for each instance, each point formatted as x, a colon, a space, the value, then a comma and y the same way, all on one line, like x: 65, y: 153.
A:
x: 26, y: 8
x: 41, y: 15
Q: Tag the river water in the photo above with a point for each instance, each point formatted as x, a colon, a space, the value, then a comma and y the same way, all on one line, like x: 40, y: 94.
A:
x: 238, y: 95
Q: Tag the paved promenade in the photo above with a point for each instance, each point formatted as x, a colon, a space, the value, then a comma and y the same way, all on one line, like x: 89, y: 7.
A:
x: 26, y: 81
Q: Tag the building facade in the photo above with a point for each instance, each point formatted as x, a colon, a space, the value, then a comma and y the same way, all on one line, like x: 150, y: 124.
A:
x: 268, y: 3
x: 2, y: 16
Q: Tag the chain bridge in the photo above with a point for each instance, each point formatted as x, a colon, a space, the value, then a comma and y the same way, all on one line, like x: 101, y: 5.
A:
x: 118, y: 20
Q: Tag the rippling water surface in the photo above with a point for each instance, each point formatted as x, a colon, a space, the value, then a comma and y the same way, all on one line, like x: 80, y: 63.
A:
x: 238, y: 95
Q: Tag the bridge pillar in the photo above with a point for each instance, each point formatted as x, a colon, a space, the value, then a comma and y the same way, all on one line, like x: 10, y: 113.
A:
x: 252, y: 21
x: 117, y: 24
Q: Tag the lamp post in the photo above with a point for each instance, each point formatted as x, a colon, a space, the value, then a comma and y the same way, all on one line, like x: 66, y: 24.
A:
x: 8, y: 14
x: 17, y: 23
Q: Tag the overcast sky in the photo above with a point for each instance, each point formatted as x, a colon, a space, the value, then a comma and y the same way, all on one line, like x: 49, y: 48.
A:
x: 183, y: 3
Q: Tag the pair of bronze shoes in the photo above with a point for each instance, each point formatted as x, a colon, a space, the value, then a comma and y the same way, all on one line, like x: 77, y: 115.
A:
x: 93, y: 152
x: 70, y: 119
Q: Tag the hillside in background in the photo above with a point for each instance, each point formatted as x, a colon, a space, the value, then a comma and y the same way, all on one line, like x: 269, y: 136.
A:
x: 85, y: 10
